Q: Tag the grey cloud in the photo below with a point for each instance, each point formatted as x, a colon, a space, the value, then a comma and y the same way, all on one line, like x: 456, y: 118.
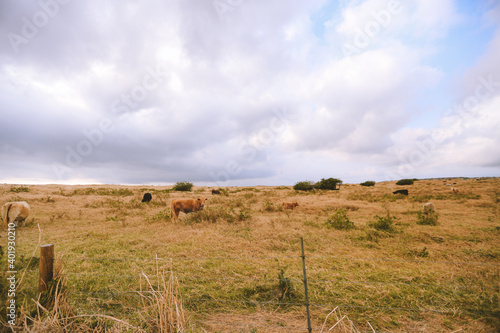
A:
x: 222, y: 80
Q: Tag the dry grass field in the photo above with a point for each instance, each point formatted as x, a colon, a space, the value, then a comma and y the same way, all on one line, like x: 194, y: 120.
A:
x: 236, y: 266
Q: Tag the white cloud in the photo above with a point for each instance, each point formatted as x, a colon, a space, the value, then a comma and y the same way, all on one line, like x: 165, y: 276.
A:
x: 434, y: 18
x: 218, y: 84
x: 476, y: 141
x: 357, y: 102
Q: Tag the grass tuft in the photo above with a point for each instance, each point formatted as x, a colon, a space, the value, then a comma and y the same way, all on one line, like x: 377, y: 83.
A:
x: 163, y: 309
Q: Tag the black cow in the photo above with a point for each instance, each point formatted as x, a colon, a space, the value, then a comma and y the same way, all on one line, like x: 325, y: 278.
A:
x: 403, y: 192
x: 147, y: 197
x: 215, y: 192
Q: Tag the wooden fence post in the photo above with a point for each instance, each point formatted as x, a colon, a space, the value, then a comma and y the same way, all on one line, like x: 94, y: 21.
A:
x: 309, y: 327
x: 46, y: 266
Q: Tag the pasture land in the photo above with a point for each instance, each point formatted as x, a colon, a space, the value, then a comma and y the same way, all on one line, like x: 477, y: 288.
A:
x: 238, y: 266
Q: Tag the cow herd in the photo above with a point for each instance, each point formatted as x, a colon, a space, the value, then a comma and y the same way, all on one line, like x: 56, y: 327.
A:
x: 14, y: 212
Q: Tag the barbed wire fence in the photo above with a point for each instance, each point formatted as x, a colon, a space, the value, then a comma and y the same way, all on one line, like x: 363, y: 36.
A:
x: 304, y: 281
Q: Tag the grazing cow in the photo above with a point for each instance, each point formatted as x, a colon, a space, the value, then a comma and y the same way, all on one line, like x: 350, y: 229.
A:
x: 454, y: 190
x: 215, y: 192
x: 290, y: 205
x: 403, y: 192
x: 147, y: 197
x: 429, y: 208
x: 186, y: 206
x: 14, y: 212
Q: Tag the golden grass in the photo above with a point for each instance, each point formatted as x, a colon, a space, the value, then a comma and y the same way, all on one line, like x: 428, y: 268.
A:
x: 410, y: 266
x: 162, y: 303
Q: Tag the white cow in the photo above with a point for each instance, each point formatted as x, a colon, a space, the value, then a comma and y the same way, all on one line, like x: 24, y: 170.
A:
x: 14, y: 212
x: 429, y: 208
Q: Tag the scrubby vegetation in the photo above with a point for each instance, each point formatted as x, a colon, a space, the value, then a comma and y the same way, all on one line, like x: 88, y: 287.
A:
x: 428, y: 218
x: 323, y: 184
x: 119, y: 192
x: 339, y: 220
x: 19, y: 189
x: 383, y: 223
x: 183, y: 186
x: 368, y: 183
x: 304, y: 186
x: 405, y: 182
x: 328, y: 184
x: 238, y: 260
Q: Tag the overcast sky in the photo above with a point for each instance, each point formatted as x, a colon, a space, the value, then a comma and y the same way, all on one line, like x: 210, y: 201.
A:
x: 248, y: 92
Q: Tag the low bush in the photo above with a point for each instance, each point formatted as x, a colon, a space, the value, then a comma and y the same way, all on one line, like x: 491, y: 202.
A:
x: 405, y: 182
x: 368, y: 183
x: 429, y: 218
x: 304, y: 186
x: 183, y: 186
x: 339, y: 221
x: 383, y: 223
x: 323, y: 184
x: 286, y: 290
x: 328, y: 184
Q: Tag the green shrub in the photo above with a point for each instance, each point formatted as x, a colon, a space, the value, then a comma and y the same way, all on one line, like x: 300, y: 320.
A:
x: 429, y: 218
x: 368, y: 183
x: 19, y: 189
x: 304, y: 186
x: 339, y: 220
x: 286, y: 291
x: 183, y: 186
x: 405, y: 182
x: 383, y: 223
x: 328, y: 184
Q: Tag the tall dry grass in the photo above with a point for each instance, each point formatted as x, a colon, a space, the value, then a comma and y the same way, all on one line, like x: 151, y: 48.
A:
x: 104, y: 221
x: 163, y: 308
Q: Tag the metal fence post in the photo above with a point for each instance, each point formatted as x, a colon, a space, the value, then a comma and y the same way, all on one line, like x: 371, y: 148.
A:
x: 309, y: 328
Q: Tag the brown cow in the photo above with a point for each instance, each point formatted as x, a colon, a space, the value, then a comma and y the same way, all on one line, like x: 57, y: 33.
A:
x: 454, y: 190
x: 14, y: 212
x: 290, y: 205
x: 186, y: 206
x: 215, y: 191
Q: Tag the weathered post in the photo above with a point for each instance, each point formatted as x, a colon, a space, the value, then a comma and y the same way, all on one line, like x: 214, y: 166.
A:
x: 46, y: 267
x: 309, y: 328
